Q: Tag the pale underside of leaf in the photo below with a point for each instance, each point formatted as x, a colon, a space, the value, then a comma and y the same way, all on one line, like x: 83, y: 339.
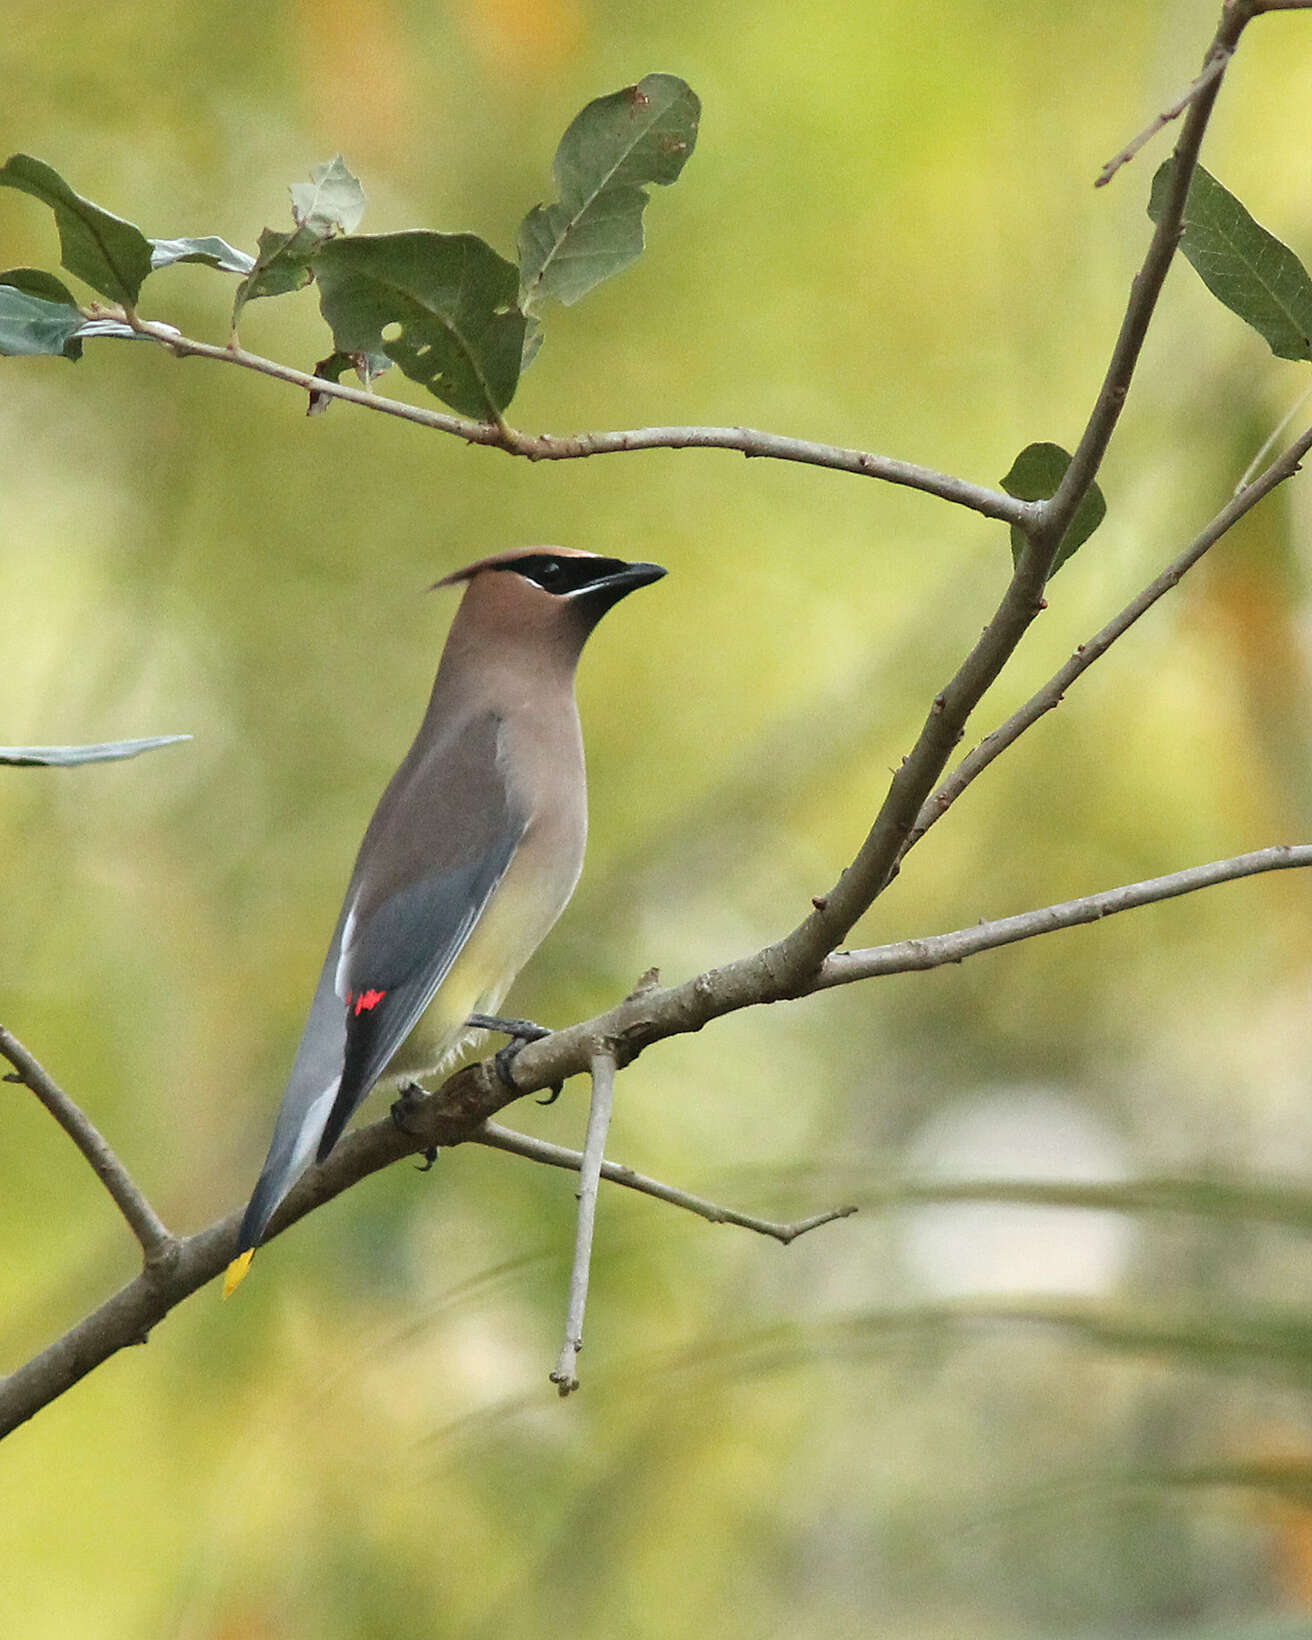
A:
x: 210, y: 250
x: 30, y: 326
x: 107, y: 751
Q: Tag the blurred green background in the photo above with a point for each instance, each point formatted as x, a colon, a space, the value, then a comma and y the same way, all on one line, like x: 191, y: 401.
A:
x: 888, y: 238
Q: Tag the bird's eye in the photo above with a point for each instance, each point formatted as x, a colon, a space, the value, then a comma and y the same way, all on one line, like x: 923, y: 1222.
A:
x: 549, y: 573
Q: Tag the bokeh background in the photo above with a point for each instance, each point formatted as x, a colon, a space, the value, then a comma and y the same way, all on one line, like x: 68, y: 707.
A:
x: 934, y: 1419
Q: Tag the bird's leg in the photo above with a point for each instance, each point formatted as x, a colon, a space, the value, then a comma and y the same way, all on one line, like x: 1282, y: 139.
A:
x: 521, y: 1032
x: 403, y: 1108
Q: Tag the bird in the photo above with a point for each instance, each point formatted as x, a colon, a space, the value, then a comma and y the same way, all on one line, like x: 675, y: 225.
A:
x: 471, y: 855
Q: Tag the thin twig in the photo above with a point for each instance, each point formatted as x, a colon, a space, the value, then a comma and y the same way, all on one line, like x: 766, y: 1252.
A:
x: 907, y: 956
x: 1214, y: 69
x: 1144, y: 292
x: 540, y: 1150
x: 157, y: 1243
x: 1271, y: 439
x: 603, y: 1067
x: 746, y: 441
x: 1053, y: 691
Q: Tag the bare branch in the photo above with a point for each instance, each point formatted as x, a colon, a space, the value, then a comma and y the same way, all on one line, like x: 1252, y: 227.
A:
x: 1213, y: 70
x: 746, y: 441
x: 1144, y: 292
x: 539, y: 1150
x: 913, y: 955
x: 603, y: 1069
x: 800, y: 953
x: 460, y: 1108
x: 157, y: 1242
x: 1054, y: 690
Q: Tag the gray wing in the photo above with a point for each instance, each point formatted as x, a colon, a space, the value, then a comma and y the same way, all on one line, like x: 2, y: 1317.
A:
x: 439, y: 843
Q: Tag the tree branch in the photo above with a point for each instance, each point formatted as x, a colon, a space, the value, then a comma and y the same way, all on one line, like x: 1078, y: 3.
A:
x: 1214, y: 69
x: 908, y: 956
x: 466, y: 1101
x: 497, y: 1137
x: 602, y: 1067
x: 1054, y: 690
x: 157, y: 1242
x: 746, y: 441
x: 1147, y: 286
x: 800, y: 953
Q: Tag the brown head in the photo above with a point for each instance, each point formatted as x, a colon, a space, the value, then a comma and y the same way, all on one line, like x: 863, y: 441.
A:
x: 541, y: 602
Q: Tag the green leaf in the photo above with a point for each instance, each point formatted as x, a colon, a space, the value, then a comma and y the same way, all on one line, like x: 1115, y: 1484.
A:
x: 452, y: 299
x: 212, y: 251
x: 108, y: 751
x: 37, y: 282
x: 533, y: 334
x: 283, y: 265
x: 612, y: 150
x: 335, y: 366
x: 112, y: 255
x: 1244, y: 266
x: 331, y: 202
x: 31, y: 325
x: 1036, y: 475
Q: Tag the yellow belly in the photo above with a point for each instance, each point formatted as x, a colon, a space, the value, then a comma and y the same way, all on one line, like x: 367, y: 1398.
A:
x: 516, y: 921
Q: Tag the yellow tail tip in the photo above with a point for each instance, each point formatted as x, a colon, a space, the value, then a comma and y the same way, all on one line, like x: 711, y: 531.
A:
x: 237, y: 1271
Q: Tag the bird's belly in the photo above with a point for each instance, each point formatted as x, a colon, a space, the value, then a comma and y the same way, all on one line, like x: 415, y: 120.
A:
x: 516, y: 921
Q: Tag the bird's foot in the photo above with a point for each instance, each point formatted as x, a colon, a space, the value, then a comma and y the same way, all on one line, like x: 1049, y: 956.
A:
x: 403, y: 1108
x: 521, y: 1032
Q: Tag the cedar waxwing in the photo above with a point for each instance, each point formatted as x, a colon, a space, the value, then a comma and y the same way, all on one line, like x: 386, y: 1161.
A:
x: 470, y: 857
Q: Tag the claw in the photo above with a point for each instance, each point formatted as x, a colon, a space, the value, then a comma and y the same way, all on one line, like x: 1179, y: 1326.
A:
x: 521, y: 1032
x: 403, y: 1106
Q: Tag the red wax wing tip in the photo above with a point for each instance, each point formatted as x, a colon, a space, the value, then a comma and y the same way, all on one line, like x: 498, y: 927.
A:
x: 366, y: 1000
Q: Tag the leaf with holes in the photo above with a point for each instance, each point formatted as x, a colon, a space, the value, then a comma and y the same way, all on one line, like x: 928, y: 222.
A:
x: 112, y: 255
x: 1244, y: 266
x: 1036, y: 475
x: 452, y: 301
x: 212, y: 251
x: 612, y: 150
x: 107, y: 751
x: 31, y: 325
